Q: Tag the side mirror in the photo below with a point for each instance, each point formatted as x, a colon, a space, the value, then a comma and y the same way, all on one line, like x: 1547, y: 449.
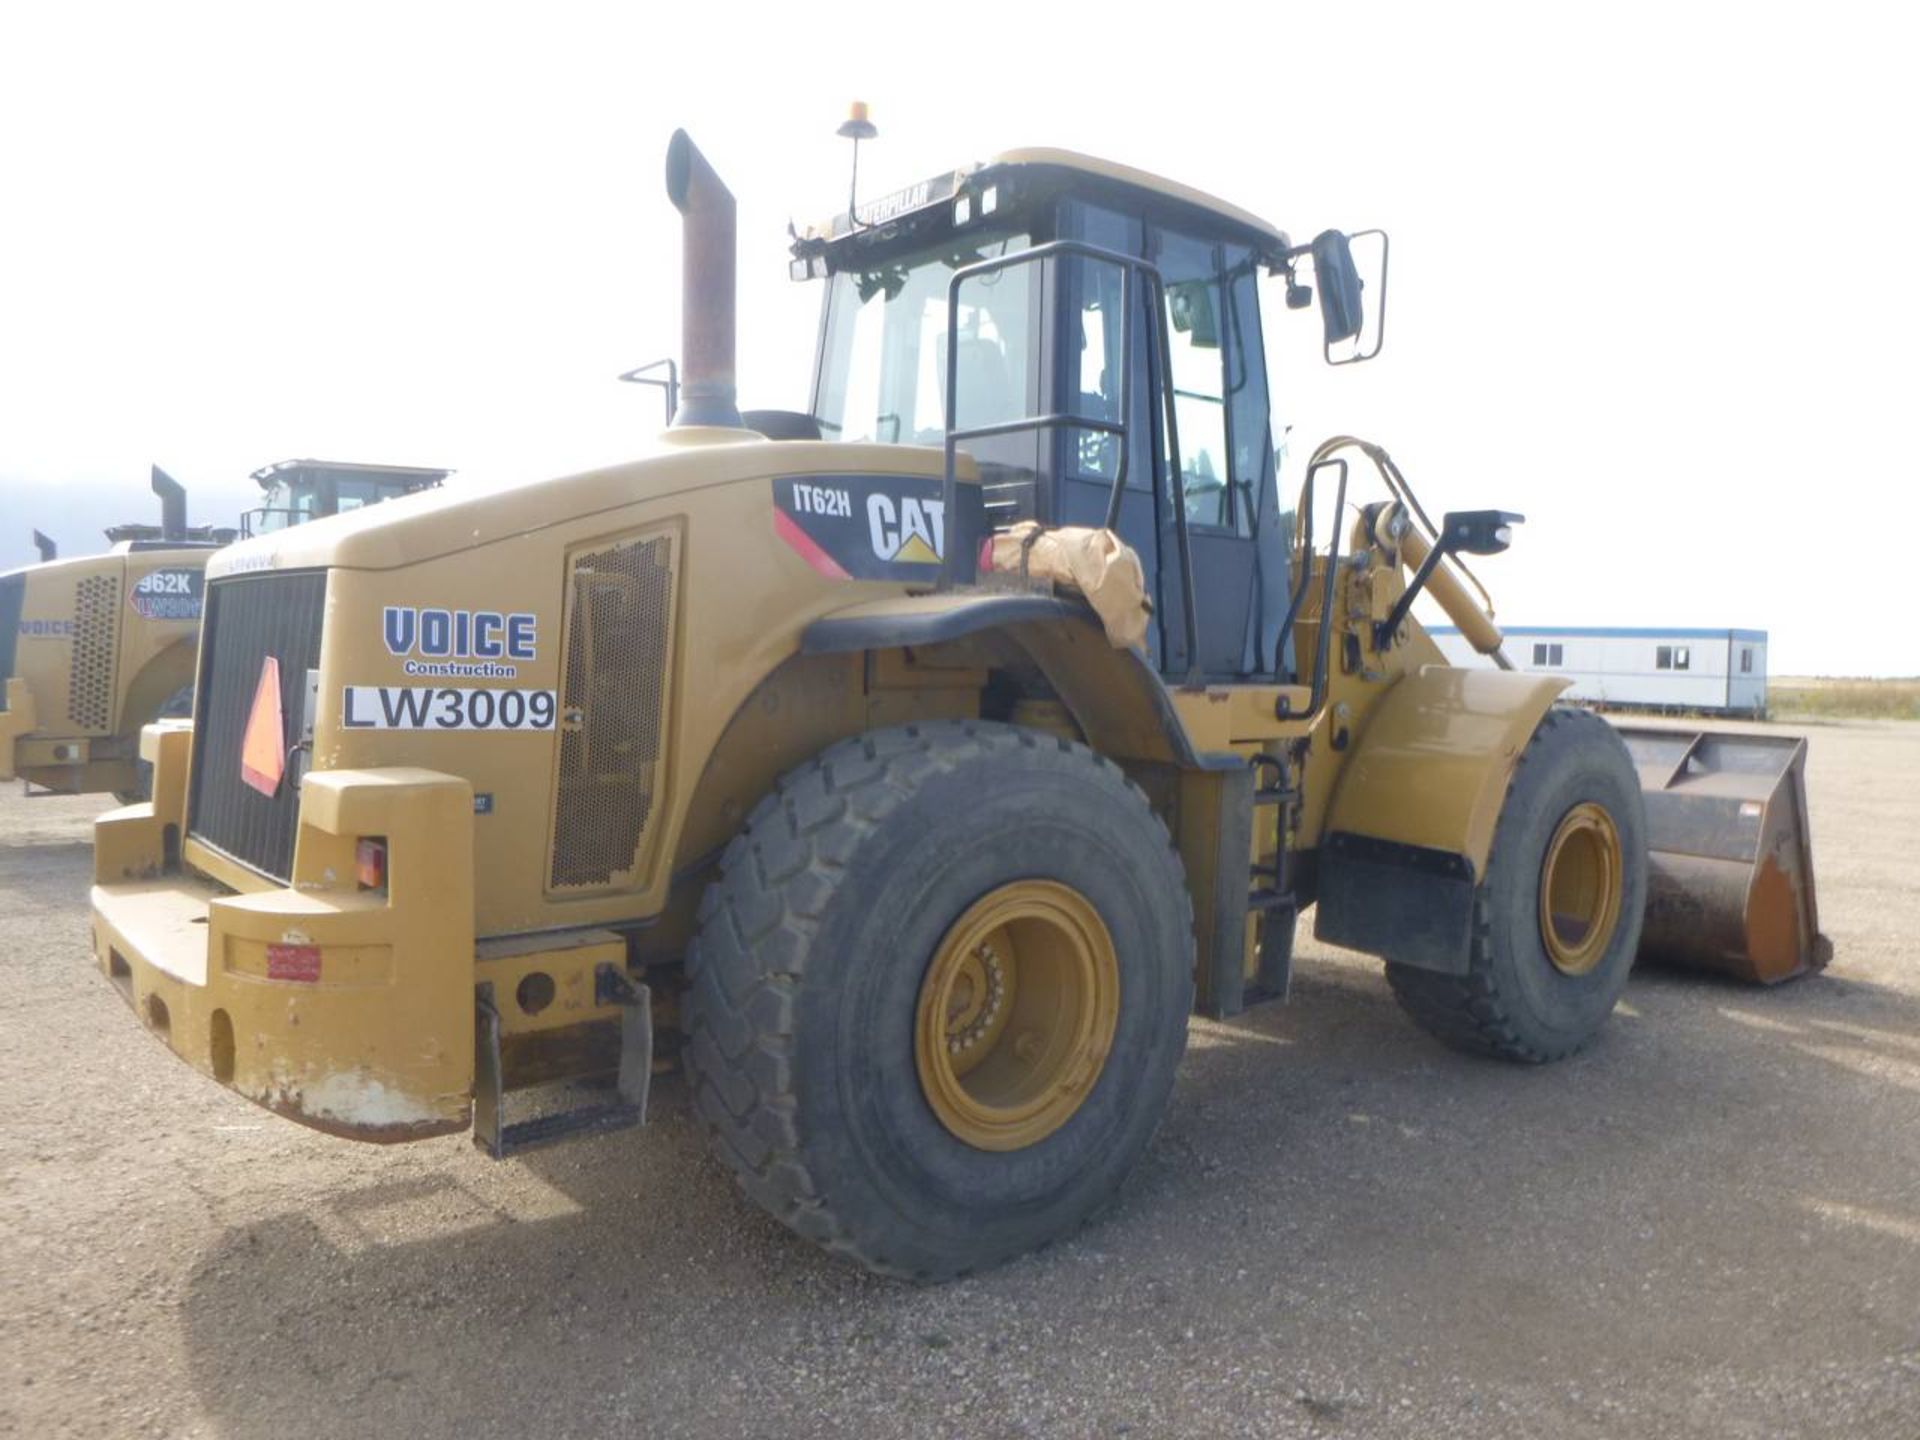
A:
x: 1477, y: 532
x: 1340, y: 297
x: 1351, y: 275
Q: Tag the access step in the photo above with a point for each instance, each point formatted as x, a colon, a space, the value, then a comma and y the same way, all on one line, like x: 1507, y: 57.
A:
x: 499, y: 1137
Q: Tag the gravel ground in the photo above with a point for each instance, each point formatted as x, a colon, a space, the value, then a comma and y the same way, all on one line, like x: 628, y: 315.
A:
x: 1709, y: 1223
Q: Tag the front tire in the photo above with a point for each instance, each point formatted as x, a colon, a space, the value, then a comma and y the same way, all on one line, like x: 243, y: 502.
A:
x: 1556, y: 920
x: 939, y: 993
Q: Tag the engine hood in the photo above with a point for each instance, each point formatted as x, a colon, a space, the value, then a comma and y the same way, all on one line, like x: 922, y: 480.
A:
x: 478, y: 509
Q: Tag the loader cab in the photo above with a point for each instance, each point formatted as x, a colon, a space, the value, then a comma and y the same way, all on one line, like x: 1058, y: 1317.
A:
x: 296, y: 491
x: 1039, y: 347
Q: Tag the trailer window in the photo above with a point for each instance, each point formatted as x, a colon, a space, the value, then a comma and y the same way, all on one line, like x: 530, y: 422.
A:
x: 1746, y: 660
x: 1672, y: 657
x: 1547, y: 654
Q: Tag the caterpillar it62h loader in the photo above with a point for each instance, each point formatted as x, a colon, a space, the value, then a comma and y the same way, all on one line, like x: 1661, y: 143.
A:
x: 92, y: 648
x: 777, y: 751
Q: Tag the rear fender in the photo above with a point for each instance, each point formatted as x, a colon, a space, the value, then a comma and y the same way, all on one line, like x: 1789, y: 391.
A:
x: 156, y: 683
x: 815, y: 698
x: 1120, y: 704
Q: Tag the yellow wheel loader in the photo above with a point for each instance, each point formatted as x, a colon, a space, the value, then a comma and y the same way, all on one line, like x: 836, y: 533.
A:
x: 908, y: 769
x: 94, y: 648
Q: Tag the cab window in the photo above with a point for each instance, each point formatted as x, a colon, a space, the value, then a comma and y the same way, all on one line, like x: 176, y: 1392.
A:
x: 884, y: 362
x: 1202, y: 344
x: 352, y: 492
x: 1094, y: 330
x: 287, y: 505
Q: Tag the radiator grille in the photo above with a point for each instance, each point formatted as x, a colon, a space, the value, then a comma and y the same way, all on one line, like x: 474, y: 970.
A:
x: 619, y: 632
x: 248, y: 618
x: 96, y: 626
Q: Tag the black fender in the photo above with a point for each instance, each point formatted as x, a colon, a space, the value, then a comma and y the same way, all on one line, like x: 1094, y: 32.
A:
x: 1120, y: 704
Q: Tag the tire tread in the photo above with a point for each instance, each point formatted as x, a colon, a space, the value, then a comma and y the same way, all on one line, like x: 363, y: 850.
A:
x: 748, y: 960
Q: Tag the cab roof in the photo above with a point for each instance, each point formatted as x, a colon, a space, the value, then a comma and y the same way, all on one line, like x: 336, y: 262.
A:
x: 414, y: 477
x: 1158, y: 185
x: 1056, y: 170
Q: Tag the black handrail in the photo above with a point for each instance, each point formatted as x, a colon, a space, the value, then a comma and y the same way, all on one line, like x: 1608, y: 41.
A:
x: 1128, y: 266
x: 1322, y: 646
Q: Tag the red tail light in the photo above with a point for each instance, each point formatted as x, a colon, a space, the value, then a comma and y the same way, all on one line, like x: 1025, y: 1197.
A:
x: 370, y: 863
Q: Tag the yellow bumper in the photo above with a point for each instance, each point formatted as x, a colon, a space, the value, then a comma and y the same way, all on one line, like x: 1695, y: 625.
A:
x: 16, y: 720
x: 348, y: 1010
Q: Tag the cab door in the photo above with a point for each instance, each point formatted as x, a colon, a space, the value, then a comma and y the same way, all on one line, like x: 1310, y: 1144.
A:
x: 1215, y: 367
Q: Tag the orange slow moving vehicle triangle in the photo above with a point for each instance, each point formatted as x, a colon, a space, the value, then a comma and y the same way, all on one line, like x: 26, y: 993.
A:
x: 263, y: 750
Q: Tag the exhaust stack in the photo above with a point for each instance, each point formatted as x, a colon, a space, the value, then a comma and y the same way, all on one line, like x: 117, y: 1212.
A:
x: 173, y: 505
x: 707, y: 395
x: 44, y: 544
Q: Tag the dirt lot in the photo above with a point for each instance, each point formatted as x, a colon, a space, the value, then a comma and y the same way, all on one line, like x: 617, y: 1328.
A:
x: 1709, y: 1223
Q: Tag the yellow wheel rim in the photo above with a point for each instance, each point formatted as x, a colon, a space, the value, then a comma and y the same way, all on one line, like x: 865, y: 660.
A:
x: 1016, y: 1015
x: 1580, y: 885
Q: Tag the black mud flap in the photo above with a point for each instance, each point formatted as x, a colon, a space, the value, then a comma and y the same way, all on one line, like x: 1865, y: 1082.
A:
x: 1406, y: 903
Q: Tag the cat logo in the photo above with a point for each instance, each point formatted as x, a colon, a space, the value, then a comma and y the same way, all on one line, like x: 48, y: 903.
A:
x: 908, y: 532
x: 864, y: 527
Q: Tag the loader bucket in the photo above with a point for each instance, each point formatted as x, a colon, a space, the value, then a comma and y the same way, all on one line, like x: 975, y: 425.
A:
x: 1730, y: 858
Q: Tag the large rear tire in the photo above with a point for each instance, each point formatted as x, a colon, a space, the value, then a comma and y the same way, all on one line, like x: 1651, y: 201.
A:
x: 1556, y: 920
x: 939, y: 994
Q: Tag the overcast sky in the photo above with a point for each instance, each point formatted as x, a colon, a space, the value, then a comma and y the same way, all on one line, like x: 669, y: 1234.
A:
x: 1648, y: 283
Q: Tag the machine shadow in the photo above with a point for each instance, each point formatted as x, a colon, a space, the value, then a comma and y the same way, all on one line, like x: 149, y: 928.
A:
x: 1320, y: 1160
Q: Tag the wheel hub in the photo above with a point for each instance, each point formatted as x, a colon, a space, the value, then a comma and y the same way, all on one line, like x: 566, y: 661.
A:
x: 1581, y: 881
x: 978, y: 992
x: 1016, y: 1015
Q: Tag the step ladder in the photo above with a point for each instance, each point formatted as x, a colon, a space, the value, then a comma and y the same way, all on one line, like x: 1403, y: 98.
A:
x: 1271, y: 896
x: 493, y: 1133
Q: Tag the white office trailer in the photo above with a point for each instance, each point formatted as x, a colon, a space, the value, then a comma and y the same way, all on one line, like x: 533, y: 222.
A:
x: 1721, y: 670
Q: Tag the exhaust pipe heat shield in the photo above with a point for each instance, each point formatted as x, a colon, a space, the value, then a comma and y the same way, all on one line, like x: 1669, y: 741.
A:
x: 707, y: 287
x: 173, y: 505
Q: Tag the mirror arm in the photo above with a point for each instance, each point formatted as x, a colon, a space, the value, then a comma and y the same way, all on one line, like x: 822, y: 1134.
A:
x: 1477, y: 532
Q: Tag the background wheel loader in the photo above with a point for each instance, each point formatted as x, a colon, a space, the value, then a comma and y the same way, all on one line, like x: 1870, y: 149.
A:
x: 92, y: 648
x: 796, y: 758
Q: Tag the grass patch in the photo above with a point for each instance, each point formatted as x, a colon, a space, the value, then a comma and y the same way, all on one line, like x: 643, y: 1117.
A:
x: 1844, y: 699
